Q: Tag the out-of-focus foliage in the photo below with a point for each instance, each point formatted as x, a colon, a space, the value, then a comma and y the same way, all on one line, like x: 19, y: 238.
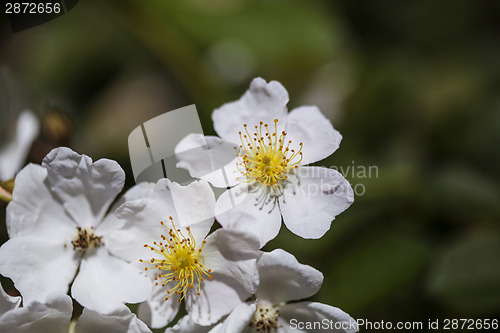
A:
x: 466, y: 276
x: 413, y: 86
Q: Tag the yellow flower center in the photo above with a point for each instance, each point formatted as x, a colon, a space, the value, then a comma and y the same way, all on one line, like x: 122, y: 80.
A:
x: 265, y: 318
x: 180, y: 261
x: 85, y: 238
x: 266, y: 157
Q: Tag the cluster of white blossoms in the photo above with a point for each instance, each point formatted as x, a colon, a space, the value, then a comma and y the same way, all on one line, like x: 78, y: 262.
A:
x: 71, y: 241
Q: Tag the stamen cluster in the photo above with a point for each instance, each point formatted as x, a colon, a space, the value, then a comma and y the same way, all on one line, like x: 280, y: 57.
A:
x: 85, y: 239
x: 181, y: 262
x: 266, y: 157
x: 265, y: 318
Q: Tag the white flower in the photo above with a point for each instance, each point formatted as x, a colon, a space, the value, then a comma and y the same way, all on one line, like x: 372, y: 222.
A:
x: 268, y: 175
x: 55, y: 315
x: 13, y: 154
x: 58, y: 229
x: 211, y: 274
x: 283, y: 279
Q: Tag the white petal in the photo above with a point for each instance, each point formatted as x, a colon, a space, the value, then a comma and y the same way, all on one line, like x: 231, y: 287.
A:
x: 217, y: 298
x: 308, y: 125
x: 156, y: 206
x: 87, y: 189
x: 233, y: 253
x: 111, y: 221
x: 120, y: 321
x: 142, y: 224
x: 8, y: 302
x: 186, y: 325
x: 219, y: 328
x: 13, y: 154
x: 338, y: 320
x: 195, y: 206
x: 38, y: 268
x: 169, y: 199
x: 156, y: 312
x: 309, y: 208
x: 51, y: 317
x: 241, y: 210
x: 239, y: 319
x: 139, y: 191
x: 34, y: 211
x: 141, y: 227
x: 209, y: 158
x: 283, y: 278
x: 261, y: 102
x: 105, y: 282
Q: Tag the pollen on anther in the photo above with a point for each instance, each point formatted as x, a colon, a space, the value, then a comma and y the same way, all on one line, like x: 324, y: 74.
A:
x: 266, y: 159
x: 181, y: 260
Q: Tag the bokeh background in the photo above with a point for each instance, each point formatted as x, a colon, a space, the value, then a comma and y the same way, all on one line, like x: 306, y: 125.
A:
x: 413, y: 86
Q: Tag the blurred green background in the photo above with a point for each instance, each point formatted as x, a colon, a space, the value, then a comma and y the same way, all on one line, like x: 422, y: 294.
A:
x: 413, y: 86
